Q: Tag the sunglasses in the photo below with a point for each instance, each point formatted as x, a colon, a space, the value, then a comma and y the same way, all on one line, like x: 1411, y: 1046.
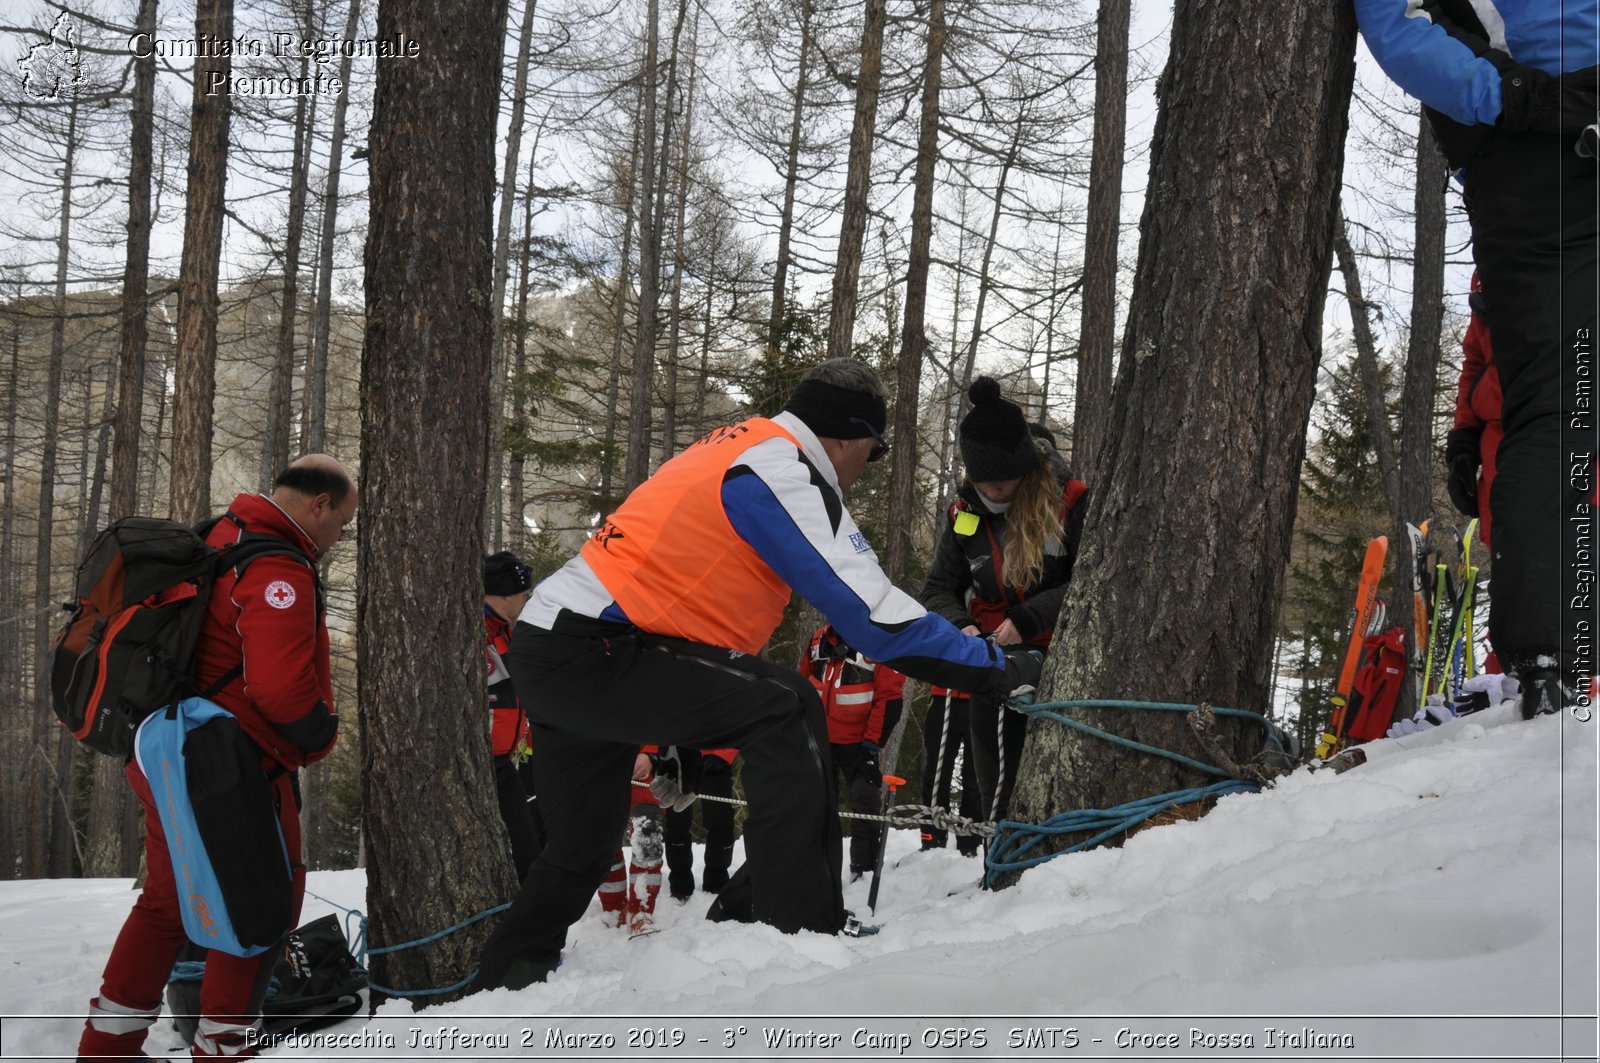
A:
x: 880, y: 448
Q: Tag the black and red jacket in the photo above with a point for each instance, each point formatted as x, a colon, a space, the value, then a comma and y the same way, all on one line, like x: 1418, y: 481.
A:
x: 861, y: 698
x: 965, y: 583
x: 1477, y: 424
x: 271, y: 623
x: 508, y: 725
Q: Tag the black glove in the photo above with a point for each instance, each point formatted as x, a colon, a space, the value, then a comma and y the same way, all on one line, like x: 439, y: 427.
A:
x: 1461, y: 461
x: 1531, y: 100
x: 1024, y: 665
x: 867, y: 769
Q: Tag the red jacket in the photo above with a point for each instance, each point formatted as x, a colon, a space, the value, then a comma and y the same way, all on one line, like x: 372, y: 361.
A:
x: 508, y: 725
x: 1478, y: 407
x: 861, y: 697
x: 272, y: 621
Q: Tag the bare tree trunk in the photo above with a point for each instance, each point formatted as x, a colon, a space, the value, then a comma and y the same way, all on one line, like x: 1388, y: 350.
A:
x: 1371, y: 377
x: 102, y: 847
x: 791, y: 179
x: 14, y: 635
x: 1190, y: 527
x: 637, y: 466
x: 275, y: 449
x: 45, y: 812
x: 618, y: 320
x: 197, y: 285
x: 1422, y: 372
x: 857, y: 184
x: 1052, y: 310
x: 1098, y: 323
x: 914, y: 335
x: 135, y: 285
x: 669, y: 410
x: 314, y: 418
x: 985, y: 277
x: 518, y: 540
x: 494, y: 511
x: 429, y: 272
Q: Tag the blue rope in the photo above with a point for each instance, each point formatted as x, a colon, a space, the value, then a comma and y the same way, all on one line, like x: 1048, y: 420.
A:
x: 1013, y: 840
x: 358, y: 945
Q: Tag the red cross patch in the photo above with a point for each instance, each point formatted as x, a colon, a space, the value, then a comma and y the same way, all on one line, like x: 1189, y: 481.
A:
x: 279, y: 594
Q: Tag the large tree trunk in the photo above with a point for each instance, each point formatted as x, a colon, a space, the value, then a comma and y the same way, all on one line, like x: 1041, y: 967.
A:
x: 637, y: 466
x: 1097, y: 325
x: 197, y: 284
x: 314, y: 418
x: 1189, y: 529
x: 857, y: 184
x: 914, y: 334
x: 619, y: 309
x: 494, y: 511
x: 429, y: 332
x: 102, y: 846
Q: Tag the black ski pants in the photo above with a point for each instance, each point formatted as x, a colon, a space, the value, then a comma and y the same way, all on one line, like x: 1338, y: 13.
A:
x: 953, y: 735
x: 866, y: 799
x: 716, y: 780
x: 997, y: 735
x: 592, y: 701
x: 517, y: 813
x: 1532, y: 203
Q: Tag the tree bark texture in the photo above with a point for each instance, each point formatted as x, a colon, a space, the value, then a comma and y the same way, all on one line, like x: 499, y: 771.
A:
x: 197, y: 284
x: 619, y: 312
x: 430, y: 862
x: 914, y: 333
x: 1180, y: 575
x: 857, y: 185
x: 14, y: 635
x: 1098, y: 322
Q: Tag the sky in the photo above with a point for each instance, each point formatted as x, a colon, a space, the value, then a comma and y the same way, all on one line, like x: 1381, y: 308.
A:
x: 1437, y: 902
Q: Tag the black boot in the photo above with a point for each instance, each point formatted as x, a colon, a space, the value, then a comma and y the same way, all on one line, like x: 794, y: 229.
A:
x: 1545, y: 691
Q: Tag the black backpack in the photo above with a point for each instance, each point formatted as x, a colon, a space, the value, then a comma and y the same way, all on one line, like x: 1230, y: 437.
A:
x: 128, y: 648
x: 314, y: 982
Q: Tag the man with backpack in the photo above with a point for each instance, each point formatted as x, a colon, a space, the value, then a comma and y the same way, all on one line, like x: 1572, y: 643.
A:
x: 262, y: 654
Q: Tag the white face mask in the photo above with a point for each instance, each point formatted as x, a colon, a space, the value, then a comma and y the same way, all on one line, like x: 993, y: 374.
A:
x: 992, y: 507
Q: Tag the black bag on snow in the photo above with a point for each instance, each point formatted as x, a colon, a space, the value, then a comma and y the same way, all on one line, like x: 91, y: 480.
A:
x: 128, y: 648
x: 313, y: 983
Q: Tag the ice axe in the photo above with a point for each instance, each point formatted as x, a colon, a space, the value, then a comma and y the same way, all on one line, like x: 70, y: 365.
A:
x: 893, y: 781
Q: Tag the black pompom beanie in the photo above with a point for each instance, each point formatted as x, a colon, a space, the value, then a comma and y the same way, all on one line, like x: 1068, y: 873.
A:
x: 505, y: 574
x: 995, y: 441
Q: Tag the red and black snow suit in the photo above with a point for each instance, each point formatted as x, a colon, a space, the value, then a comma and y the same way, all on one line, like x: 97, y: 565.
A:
x: 508, y: 744
x: 862, y: 701
x: 270, y: 622
x: 966, y: 585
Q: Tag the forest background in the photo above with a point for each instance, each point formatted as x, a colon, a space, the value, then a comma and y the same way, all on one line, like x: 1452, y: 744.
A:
x: 938, y: 187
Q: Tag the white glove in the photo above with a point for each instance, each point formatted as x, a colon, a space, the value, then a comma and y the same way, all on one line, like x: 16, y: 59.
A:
x: 670, y: 794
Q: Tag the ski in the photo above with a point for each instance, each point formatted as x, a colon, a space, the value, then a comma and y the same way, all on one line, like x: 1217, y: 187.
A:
x: 1361, y: 617
x: 1419, y: 598
x: 1462, y: 663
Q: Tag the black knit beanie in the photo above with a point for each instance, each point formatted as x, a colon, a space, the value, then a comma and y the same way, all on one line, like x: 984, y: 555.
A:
x: 995, y: 441
x: 505, y: 574
x: 835, y: 412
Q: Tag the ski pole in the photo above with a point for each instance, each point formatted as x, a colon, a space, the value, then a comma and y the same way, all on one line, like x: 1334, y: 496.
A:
x: 893, y: 781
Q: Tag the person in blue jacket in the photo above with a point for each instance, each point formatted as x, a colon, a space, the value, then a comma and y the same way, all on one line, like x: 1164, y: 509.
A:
x: 1510, y: 90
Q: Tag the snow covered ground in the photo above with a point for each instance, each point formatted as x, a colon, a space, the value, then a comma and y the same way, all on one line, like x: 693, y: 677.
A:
x: 1437, y: 902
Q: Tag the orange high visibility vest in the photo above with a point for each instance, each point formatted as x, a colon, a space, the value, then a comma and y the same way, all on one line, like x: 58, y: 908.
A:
x: 673, y: 562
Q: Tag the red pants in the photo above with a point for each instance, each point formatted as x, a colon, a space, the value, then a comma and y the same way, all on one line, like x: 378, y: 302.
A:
x: 136, y: 974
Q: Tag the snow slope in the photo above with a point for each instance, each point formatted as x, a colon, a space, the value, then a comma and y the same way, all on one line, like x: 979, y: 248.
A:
x: 1452, y: 876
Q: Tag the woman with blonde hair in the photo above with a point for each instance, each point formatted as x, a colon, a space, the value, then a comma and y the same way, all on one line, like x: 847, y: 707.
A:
x: 1004, y: 557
